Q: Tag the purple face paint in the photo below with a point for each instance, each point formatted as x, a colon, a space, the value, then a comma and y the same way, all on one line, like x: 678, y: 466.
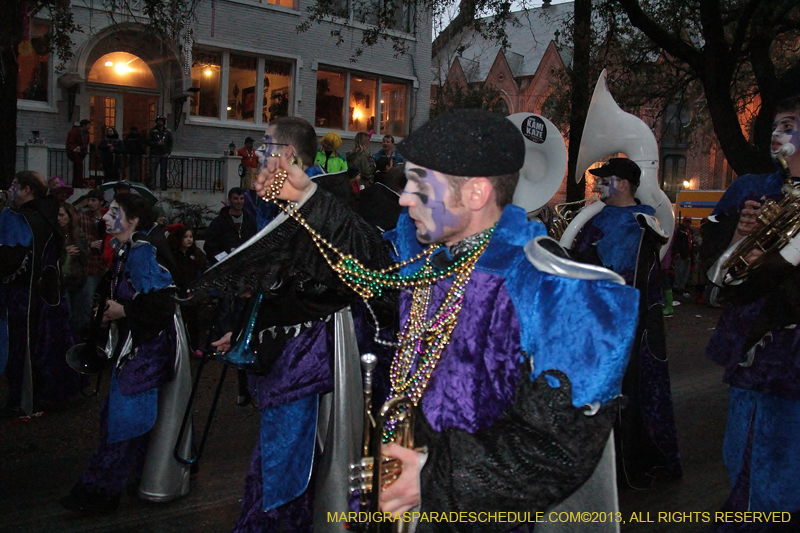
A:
x: 115, y: 220
x: 785, y: 130
x: 432, y: 206
x: 606, y: 187
x: 269, y: 147
x: 13, y: 194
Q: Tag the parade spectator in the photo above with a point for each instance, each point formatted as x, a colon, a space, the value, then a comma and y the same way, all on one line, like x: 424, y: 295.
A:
x: 77, y: 148
x: 249, y: 163
x: 328, y: 158
x: 388, y: 150
x: 191, y: 262
x: 92, y: 225
x: 59, y: 188
x: 73, y: 265
x: 232, y: 227
x: 159, y: 141
x: 378, y: 204
x: 682, y: 255
x: 134, y: 150
x: 383, y: 166
x: 111, y: 150
x: 360, y: 157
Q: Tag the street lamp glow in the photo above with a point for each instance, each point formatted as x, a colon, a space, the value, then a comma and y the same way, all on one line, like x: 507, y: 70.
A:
x: 687, y: 184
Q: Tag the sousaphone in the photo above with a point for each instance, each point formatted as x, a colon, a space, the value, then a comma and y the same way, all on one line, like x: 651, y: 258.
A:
x: 545, y: 161
x: 608, y: 131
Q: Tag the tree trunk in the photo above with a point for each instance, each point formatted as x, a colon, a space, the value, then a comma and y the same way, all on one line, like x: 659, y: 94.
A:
x: 579, y: 94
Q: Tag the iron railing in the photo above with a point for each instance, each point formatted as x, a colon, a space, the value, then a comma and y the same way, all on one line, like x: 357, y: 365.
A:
x: 184, y: 173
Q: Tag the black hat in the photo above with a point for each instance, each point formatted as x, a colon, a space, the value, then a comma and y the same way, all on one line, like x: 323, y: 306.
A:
x: 353, y: 171
x: 466, y: 142
x: 96, y: 193
x: 161, y: 117
x: 249, y: 140
x: 620, y: 167
x: 85, y: 121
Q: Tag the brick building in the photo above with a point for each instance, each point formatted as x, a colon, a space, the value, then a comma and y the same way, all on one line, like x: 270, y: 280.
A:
x: 525, y: 75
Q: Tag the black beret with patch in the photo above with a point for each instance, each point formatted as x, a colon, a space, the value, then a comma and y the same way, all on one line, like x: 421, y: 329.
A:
x: 466, y: 142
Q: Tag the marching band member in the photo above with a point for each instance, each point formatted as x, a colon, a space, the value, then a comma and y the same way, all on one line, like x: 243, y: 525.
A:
x: 150, y: 381
x: 756, y: 341
x: 624, y: 236
x: 516, y: 388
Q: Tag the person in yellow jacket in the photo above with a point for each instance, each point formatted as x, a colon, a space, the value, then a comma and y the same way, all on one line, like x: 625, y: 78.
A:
x: 328, y: 158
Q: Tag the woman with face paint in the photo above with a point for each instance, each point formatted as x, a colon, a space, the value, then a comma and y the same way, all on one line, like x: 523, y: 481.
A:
x: 756, y: 341
x: 150, y: 380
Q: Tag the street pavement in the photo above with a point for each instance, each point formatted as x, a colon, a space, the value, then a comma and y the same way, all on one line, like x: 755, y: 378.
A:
x: 41, y: 459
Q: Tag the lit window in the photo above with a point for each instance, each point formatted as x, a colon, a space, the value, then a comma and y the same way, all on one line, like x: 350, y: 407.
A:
x: 122, y: 68
x: 330, y: 100
x: 282, y: 3
x: 277, y: 87
x: 206, y: 67
x: 242, y: 88
x: 33, y: 74
x: 363, y: 101
x: 393, y: 108
x: 362, y: 104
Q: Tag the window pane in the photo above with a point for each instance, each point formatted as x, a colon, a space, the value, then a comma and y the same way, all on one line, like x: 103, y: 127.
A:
x: 330, y: 100
x: 206, y: 67
x: 122, y: 68
x: 242, y: 88
x: 362, y: 103
x: 277, y: 88
x: 284, y: 3
x: 393, y: 108
x: 368, y: 11
x: 33, y: 71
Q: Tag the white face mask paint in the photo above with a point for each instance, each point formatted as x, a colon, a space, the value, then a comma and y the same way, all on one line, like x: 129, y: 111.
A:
x: 429, y: 199
x: 606, y: 187
x: 785, y: 130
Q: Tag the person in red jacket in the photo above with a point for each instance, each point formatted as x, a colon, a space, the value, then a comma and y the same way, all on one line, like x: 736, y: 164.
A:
x: 77, y: 148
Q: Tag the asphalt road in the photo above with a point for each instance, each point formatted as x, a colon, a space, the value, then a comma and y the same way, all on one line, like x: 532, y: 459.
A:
x: 41, y: 459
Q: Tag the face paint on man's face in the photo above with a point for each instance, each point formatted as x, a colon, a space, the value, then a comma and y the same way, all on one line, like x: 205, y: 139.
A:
x: 430, y: 211
x: 13, y: 194
x: 785, y: 130
x: 606, y: 187
x: 115, y: 220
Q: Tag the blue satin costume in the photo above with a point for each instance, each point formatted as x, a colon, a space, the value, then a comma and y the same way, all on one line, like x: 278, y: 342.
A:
x: 646, y: 434
x: 762, y: 438
x: 130, y: 411
x: 511, y: 313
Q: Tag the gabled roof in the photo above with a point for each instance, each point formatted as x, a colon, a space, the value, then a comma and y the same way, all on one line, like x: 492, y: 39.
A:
x: 527, y: 44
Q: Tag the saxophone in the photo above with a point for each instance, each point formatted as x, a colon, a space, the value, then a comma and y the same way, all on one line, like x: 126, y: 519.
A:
x: 778, y: 222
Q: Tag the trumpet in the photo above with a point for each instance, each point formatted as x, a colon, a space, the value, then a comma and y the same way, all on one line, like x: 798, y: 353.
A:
x: 396, y: 420
x: 779, y: 223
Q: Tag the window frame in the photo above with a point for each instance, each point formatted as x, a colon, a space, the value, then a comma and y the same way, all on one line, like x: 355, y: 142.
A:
x: 222, y: 119
x: 410, y: 84
x: 50, y: 105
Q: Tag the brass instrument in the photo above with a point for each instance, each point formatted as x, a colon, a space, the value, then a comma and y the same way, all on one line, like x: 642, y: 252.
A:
x: 3, y: 198
x: 397, y: 414
x: 563, y: 214
x: 779, y: 222
x: 90, y: 357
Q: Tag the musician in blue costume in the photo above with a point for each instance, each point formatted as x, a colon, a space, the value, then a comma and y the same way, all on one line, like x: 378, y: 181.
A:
x: 522, y: 393
x: 34, y: 322
x: 150, y: 379
x: 624, y: 236
x: 758, y: 343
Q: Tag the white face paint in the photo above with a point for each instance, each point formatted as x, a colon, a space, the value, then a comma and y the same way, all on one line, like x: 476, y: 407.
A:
x: 606, y: 187
x: 117, y: 222
x: 785, y: 130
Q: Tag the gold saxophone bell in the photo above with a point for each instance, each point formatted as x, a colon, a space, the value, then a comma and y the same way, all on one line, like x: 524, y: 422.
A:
x: 778, y: 224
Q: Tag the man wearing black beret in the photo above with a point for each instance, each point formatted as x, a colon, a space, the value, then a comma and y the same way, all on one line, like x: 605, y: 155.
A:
x: 626, y: 238
x: 514, y: 400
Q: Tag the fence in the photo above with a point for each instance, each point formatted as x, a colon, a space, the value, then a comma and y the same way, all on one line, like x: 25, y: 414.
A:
x: 184, y: 173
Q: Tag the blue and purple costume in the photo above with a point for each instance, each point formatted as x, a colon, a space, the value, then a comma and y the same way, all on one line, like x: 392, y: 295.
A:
x: 646, y: 435
x: 758, y: 343
x: 524, y: 396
